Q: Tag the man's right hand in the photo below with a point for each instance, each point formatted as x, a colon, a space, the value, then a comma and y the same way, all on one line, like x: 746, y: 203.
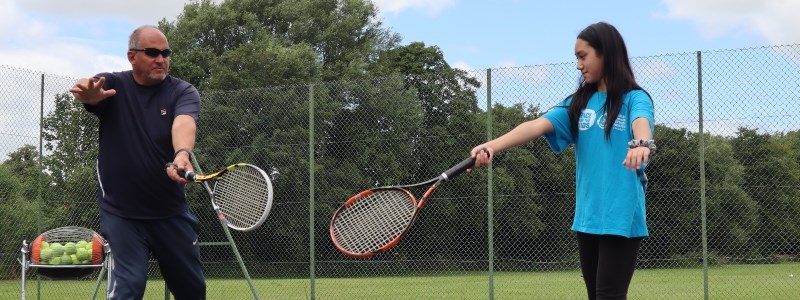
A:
x: 88, y: 91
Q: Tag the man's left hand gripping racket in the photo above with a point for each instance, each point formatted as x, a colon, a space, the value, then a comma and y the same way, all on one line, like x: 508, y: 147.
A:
x: 241, y: 195
x: 375, y: 220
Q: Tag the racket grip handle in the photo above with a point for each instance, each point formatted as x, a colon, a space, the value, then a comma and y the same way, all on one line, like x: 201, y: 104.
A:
x: 191, y: 176
x: 459, y: 168
x: 188, y: 175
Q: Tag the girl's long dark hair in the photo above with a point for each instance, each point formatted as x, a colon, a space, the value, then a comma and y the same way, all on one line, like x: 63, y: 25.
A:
x: 617, y: 74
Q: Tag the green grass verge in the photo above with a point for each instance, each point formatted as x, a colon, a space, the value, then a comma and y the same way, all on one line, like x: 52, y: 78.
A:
x: 725, y: 282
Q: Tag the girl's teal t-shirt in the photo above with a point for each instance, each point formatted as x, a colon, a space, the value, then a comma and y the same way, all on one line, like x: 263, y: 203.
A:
x: 610, y: 198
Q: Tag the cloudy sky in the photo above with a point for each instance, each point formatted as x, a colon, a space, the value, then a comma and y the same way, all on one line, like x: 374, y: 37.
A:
x: 83, y: 37
x: 79, y: 38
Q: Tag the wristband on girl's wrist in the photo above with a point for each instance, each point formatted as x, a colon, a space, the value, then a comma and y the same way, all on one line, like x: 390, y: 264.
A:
x: 650, y: 144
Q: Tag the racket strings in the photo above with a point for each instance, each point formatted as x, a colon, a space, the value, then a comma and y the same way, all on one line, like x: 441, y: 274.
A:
x: 242, y: 196
x: 374, y: 221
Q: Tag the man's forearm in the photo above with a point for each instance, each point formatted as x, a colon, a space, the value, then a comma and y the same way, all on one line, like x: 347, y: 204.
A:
x: 184, y: 131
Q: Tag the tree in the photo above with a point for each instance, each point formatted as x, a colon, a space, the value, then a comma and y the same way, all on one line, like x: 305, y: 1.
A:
x: 24, y: 165
x: 21, y: 217
x: 71, y: 137
x: 771, y: 178
x: 248, y: 43
x: 450, y: 125
x: 535, y: 191
x: 790, y: 143
x: 392, y: 116
x: 369, y: 141
x: 673, y: 197
x: 442, y: 90
x: 733, y: 216
x: 18, y: 216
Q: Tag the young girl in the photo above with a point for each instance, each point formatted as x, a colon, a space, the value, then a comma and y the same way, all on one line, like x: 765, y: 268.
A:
x: 610, y: 121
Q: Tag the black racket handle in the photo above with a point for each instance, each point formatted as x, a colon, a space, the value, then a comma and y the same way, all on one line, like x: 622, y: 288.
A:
x: 459, y: 168
x: 191, y: 176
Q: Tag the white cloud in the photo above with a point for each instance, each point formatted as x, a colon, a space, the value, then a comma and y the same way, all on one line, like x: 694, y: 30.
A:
x: 41, y: 35
x: 462, y: 65
x: 775, y: 20
x: 506, y: 64
x: 19, y: 98
x: 7, y: 17
x: 16, y: 27
x: 136, y: 12
x: 70, y: 60
x: 653, y: 70
x: 432, y: 7
x: 726, y: 128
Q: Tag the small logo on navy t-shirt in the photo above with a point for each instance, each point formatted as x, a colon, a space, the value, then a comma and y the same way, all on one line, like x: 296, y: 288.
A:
x: 163, y: 111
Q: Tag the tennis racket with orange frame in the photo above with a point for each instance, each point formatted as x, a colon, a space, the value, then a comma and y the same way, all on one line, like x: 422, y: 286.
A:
x: 375, y: 220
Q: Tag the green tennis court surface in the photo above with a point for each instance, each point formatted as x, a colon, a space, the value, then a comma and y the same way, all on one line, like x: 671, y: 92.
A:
x: 725, y: 282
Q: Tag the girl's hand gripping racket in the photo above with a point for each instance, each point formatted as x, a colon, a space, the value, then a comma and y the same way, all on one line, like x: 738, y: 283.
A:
x: 241, y: 196
x: 375, y: 220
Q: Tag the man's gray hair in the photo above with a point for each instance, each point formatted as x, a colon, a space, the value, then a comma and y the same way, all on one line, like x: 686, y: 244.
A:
x: 133, y: 40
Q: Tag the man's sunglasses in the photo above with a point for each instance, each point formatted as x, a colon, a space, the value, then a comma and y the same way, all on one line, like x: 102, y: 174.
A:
x: 153, y: 52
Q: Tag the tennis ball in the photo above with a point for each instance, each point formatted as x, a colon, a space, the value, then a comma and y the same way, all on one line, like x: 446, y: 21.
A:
x: 45, y: 254
x: 58, y: 250
x: 65, y: 259
x: 55, y: 261
x: 74, y: 259
x: 44, y: 245
x: 81, y: 244
x: 70, y: 248
x: 83, y: 254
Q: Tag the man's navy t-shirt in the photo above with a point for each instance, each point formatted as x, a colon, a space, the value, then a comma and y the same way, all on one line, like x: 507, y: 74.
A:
x: 136, y: 142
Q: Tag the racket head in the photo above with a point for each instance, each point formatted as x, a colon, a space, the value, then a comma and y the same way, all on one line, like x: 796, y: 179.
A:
x: 243, y: 195
x: 373, y: 221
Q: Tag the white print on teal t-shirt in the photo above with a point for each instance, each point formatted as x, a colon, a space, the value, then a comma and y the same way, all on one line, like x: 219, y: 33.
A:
x: 588, y: 116
x: 619, y: 123
x: 587, y: 119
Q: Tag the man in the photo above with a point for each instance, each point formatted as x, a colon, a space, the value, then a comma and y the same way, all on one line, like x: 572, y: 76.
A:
x: 147, y: 118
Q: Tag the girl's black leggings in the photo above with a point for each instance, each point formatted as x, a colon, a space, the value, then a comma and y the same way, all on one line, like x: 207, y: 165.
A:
x: 607, y: 264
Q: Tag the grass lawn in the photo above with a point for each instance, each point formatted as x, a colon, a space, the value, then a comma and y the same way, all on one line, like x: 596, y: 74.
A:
x: 725, y: 282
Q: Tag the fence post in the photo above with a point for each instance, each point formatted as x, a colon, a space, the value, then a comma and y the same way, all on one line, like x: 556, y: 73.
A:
x: 702, y: 172
x: 490, y: 204
x: 39, y: 179
x: 311, y: 251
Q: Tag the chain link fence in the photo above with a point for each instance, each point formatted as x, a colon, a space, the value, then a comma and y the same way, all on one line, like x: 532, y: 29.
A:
x: 723, y: 200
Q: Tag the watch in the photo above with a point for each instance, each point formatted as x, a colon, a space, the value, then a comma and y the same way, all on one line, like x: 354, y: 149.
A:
x: 650, y: 144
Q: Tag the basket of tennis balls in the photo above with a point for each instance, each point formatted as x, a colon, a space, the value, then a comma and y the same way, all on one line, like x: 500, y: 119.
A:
x: 67, y: 246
